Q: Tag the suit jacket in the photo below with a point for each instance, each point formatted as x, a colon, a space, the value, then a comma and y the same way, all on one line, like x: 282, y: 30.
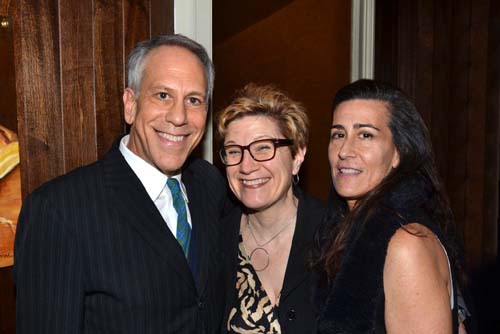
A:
x: 93, y: 255
x: 296, y: 309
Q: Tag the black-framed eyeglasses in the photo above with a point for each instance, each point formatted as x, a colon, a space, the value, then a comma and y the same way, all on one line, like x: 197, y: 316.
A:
x: 260, y: 150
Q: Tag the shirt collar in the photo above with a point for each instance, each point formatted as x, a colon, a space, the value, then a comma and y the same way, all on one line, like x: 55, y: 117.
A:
x: 151, y: 178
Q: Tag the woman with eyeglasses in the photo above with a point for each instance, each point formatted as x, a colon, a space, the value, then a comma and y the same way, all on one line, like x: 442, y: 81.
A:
x: 264, y: 141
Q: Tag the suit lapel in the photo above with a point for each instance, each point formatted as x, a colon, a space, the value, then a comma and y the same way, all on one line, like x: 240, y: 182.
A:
x: 202, y: 235
x: 307, y: 220
x: 230, y: 245
x: 135, y: 209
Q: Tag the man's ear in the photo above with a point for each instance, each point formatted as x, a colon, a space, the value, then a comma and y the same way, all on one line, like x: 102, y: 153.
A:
x: 129, y: 105
x: 298, y: 160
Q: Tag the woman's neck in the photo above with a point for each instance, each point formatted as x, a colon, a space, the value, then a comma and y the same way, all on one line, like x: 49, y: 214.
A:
x: 272, y: 219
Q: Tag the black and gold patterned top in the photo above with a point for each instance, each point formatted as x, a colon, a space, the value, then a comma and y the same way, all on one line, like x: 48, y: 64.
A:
x: 253, y: 312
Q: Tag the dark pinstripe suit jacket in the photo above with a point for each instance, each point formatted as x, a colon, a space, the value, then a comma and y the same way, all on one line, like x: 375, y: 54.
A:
x: 93, y: 255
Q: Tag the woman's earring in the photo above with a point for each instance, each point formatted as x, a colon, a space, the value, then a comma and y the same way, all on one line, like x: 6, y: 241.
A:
x: 296, y: 179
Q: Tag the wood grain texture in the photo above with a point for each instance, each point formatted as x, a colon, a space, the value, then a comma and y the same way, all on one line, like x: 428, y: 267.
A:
x: 36, y: 48
x: 443, y: 54
x: 77, y: 83
x: 8, y: 109
x: 5, y: 7
x: 439, y: 66
x: 8, y: 112
x: 407, y: 46
x: 162, y: 24
x: 425, y: 53
x: 386, y: 40
x: 476, y: 110
x: 492, y: 156
x: 109, y: 62
x: 69, y: 75
x: 136, y: 14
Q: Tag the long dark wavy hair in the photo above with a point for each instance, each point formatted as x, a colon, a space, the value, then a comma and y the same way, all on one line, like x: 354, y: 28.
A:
x: 412, y: 141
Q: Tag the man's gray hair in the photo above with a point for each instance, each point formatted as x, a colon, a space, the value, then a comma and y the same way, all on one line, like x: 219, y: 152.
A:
x: 135, y: 65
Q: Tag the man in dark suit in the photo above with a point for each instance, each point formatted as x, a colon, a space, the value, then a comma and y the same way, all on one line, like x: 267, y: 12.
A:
x: 128, y: 243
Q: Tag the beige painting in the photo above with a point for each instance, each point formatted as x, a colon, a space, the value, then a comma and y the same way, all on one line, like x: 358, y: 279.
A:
x: 10, y: 194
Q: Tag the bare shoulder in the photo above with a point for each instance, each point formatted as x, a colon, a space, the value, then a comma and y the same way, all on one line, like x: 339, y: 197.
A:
x: 416, y: 282
x: 415, y: 252
x: 413, y: 244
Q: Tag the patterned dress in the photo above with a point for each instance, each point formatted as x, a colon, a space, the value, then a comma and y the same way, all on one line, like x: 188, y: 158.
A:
x: 253, y: 312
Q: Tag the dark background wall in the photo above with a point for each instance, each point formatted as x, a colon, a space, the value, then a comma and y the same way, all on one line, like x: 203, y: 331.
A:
x: 8, y: 115
x: 301, y: 46
x: 446, y: 55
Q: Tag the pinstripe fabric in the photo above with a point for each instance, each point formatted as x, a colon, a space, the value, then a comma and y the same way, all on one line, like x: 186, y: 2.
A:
x: 93, y: 255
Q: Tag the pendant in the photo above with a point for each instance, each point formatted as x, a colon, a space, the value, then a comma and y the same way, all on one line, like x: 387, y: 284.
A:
x: 265, y: 252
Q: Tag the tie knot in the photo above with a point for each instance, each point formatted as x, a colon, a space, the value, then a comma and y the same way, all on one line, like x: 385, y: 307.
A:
x: 174, y: 187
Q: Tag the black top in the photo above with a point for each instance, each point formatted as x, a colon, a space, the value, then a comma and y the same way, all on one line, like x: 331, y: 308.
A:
x: 354, y: 302
x: 252, y: 310
x: 296, y: 312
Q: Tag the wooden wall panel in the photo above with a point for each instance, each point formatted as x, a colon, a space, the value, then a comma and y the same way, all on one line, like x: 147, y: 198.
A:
x: 161, y: 24
x: 492, y: 154
x: 476, y: 144
x: 424, y: 52
x: 137, y: 18
x: 8, y: 117
x: 444, y: 54
x: 109, y: 62
x: 8, y: 114
x: 451, y: 94
x: 70, y: 74
x: 69, y: 80
x: 77, y: 83
x: 407, y: 48
x: 36, y: 36
x: 386, y: 40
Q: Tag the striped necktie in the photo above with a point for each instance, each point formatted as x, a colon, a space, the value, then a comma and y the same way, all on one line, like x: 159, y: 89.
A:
x: 183, y: 229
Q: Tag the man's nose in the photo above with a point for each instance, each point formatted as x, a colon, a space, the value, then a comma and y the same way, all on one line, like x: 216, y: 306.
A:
x: 177, y: 113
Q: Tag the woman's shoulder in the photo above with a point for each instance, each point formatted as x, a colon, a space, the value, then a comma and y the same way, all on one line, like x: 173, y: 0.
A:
x: 416, y: 276
x: 415, y: 256
x: 414, y: 241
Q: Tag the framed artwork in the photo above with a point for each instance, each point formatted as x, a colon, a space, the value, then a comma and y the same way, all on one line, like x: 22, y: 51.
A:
x: 10, y: 172
x: 10, y: 193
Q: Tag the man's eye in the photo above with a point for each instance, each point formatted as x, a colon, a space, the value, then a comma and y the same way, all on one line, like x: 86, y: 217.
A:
x: 194, y: 101
x: 163, y: 95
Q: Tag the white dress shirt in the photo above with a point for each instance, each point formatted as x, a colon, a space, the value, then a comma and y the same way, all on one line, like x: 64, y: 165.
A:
x: 155, y: 183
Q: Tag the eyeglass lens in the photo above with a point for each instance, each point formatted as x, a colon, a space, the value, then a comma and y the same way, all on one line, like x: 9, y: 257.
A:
x: 260, y: 150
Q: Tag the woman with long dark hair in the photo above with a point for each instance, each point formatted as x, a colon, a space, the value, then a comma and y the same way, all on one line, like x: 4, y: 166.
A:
x: 386, y: 254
